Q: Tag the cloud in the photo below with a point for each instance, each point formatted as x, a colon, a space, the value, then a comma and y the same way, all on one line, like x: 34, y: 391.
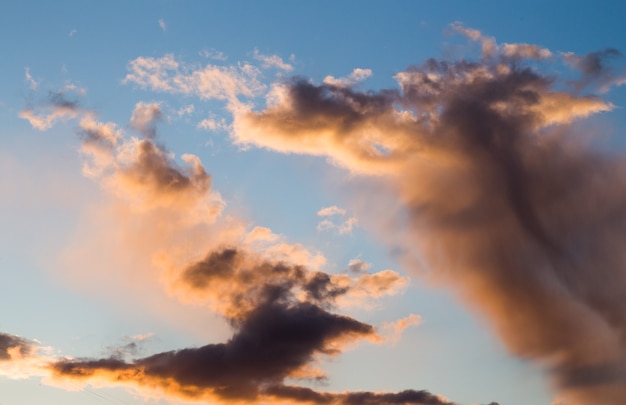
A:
x: 272, y: 61
x: 144, y: 118
x: 186, y: 110
x: 213, y: 124
x: 330, y: 211
x: 395, y: 329
x: 342, y: 228
x: 213, y: 54
x: 165, y: 74
x: 356, y: 266
x: 270, y: 345
x: 33, y: 84
x: 507, y: 203
x: 162, y: 25
x: 505, y: 51
x: 277, y: 335
x: 357, y: 76
x: 72, y: 33
x: 58, y: 108
x: 596, y: 71
x: 21, y: 358
x: 13, y: 346
x: 234, y: 281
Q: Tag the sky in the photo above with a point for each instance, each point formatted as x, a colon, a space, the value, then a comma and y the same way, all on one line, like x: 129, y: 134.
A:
x: 312, y: 203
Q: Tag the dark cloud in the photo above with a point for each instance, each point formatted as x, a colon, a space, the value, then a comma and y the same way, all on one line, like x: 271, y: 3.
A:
x: 506, y: 203
x: 59, y: 99
x: 155, y: 171
x: 273, y: 342
x: 596, y: 69
x: 594, y: 63
x: 243, y: 281
x: 302, y: 394
x: 281, y: 318
x: 12, y: 342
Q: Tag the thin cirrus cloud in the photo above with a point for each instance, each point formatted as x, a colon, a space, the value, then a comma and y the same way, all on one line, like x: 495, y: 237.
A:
x: 507, y: 204
x: 281, y: 310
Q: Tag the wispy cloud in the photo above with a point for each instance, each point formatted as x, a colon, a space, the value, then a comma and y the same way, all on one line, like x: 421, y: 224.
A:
x: 186, y: 110
x: 343, y: 227
x: 162, y: 25
x: 272, y: 61
x: 213, y: 54
x: 211, y: 82
x: 58, y: 108
x: 32, y: 83
x: 394, y: 330
x: 213, y: 124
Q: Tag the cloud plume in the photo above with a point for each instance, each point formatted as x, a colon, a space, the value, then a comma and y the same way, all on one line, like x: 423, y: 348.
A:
x: 507, y: 204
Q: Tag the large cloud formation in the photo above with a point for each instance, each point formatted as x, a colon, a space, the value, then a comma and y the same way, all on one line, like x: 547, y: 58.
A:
x: 280, y: 309
x: 508, y: 203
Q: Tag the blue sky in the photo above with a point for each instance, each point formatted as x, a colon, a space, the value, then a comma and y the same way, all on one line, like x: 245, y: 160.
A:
x: 106, y: 219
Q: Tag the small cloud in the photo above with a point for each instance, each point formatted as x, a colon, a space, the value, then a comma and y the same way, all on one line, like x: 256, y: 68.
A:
x: 356, y: 266
x: 393, y: 330
x: 330, y: 211
x: 272, y: 61
x: 144, y: 118
x: 213, y: 54
x: 162, y: 24
x: 72, y: 33
x: 212, y: 124
x: 142, y: 337
x: 326, y: 224
x: 186, y: 110
x: 357, y: 76
x: 347, y: 225
x: 31, y: 82
x: 58, y: 108
x: 72, y: 87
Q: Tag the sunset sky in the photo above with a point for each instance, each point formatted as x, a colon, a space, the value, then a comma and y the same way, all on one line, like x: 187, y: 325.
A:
x: 313, y: 203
